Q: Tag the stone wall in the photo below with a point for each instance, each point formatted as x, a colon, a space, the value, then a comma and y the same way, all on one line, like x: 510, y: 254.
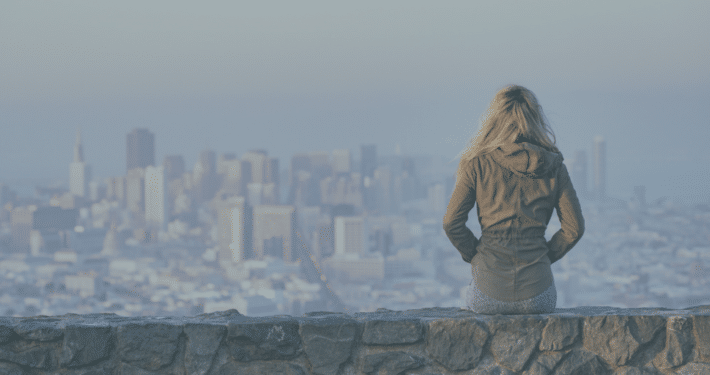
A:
x: 586, y: 340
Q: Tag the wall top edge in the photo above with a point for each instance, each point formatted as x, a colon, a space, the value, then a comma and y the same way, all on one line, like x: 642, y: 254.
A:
x: 425, y: 314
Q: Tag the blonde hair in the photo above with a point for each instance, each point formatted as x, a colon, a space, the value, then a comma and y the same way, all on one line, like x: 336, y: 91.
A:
x: 513, y: 113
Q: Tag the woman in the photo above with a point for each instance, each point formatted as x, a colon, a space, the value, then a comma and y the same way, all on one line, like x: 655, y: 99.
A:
x: 514, y: 172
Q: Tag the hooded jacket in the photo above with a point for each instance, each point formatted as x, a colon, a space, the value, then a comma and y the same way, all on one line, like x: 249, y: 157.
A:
x: 515, y: 188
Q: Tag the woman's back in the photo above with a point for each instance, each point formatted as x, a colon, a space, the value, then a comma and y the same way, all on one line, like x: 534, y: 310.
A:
x: 516, y: 188
x: 513, y: 172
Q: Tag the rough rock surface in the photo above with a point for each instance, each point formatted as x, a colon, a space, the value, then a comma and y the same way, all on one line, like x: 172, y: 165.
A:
x: 585, y: 340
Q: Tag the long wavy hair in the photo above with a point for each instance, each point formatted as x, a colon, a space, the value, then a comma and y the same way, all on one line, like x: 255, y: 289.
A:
x: 513, y: 115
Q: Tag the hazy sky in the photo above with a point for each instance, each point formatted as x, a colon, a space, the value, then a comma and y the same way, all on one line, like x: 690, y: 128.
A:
x: 304, y: 76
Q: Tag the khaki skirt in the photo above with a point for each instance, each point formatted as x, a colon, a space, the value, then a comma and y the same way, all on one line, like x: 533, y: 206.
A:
x: 476, y: 301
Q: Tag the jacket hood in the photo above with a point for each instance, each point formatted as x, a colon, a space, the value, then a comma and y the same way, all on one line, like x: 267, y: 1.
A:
x: 527, y: 159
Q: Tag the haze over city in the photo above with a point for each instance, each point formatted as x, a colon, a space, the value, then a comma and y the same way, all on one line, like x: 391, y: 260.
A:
x: 318, y: 76
x: 173, y: 158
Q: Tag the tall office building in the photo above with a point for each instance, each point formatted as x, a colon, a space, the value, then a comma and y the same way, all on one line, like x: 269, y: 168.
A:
x: 273, y: 179
x: 341, y: 189
x: 116, y: 189
x: 599, y: 168
x: 225, y: 162
x: 79, y: 172
x: 299, y: 162
x: 368, y: 160
x: 205, y: 176
x: 265, y: 171
x: 368, y: 164
x: 274, y: 232
x: 300, y: 182
x: 174, y: 167
x: 257, y: 159
x: 254, y: 194
x: 21, y: 227
x: 231, y: 223
x: 156, y: 198
x: 229, y: 168
x: 382, y: 188
x: 135, y: 191
x: 140, y: 149
x: 578, y: 173
x: 350, y: 235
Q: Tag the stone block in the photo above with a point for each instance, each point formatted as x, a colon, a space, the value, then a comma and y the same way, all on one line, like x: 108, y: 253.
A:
x: 149, y: 346
x: 11, y: 369
x: 445, y: 338
x: 328, y: 341
x: 580, y: 362
x: 203, y: 340
x: 645, y: 327
x: 266, y: 339
x: 701, y: 334
x: 393, y: 363
x: 544, y: 363
x: 679, y: 343
x: 488, y: 366
x: 39, y: 330
x: 560, y: 332
x: 392, y: 331
x: 693, y: 369
x: 28, y: 353
x: 280, y: 368
x: 85, y: 344
x: 610, y: 337
x: 647, y: 341
x: 628, y: 370
x: 514, y: 340
x: 6, y: 331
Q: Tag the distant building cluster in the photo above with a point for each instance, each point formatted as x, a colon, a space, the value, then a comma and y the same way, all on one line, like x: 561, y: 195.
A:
x: 331, y: 230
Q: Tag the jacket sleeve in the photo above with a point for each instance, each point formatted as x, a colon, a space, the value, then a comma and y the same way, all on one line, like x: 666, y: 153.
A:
x: 571, y: 220
x: 462, y: 201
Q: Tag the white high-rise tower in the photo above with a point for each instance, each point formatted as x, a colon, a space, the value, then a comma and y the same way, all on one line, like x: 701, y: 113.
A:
x: 156, y: 201
x: 79, y: 172
x: 350, y: 235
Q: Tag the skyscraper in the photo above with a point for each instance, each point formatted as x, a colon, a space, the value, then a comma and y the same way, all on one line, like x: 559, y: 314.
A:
x: 230, y: 170
x: 156, y: 198
x: 135, y: 191
x: 349, y: 235
x: 271, y: 173
x: 257, y: 159
x: 368, y: 164
x: 21, y: 228
x: 205, y: 176
x: 79, y: 172
x: 140, y: 149
x: 599, y: 168
x: 174, y: 167
x: 368, y: 160
x: 274, y: 231
x: 231, y: 222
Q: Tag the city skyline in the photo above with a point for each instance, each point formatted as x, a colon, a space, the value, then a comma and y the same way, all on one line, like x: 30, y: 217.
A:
x: 345, y: 235
x: 318, y: 76
x: 588, y: 189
